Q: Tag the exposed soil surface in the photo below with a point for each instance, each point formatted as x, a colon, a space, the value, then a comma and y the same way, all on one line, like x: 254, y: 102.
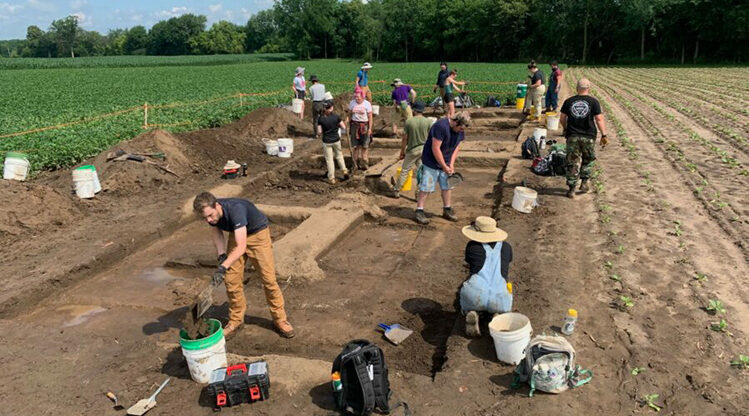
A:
x: 94, y: 291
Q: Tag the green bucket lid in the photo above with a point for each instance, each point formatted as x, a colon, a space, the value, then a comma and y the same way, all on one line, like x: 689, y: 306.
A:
x: 16, y: 155
x: 217, y: 334
x: 86, y: 167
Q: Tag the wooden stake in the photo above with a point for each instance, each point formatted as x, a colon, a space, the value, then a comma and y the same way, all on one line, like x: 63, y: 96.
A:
x: 145, y: 115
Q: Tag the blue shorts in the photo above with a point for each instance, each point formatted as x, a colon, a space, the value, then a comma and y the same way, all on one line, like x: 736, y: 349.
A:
x: 430, y: 177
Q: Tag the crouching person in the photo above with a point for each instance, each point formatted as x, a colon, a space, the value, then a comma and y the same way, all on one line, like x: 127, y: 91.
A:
x: 488, y: 256
x: 249, y: 238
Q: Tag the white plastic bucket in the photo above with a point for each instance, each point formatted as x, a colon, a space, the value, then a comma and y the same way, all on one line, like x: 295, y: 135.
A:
x: 206, y: 354
x: 285, y: 147
x: 552, y: 121
x: 16, y: 166
x: 511, y: 333
x: 375, y: 110
x: 524, y: 199
x: 538, y: 133
x: 296, y: 105
x: 271, y: 147
x: 84, y: 183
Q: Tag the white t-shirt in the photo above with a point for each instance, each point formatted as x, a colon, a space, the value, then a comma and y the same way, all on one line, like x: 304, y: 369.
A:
x: 360, y: 112
x: 317, y: 92
x: 300, y: 83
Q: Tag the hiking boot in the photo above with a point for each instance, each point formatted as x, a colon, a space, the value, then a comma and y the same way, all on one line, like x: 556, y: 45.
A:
x: 584, y: 186
x: 331, y: 181
x: 449, y: 214
x: 345, y: 175
x: 421, y: 217
x: 571, y: 192
x: 284, y: 328
x: 231, y: 329
x: 472, y: 325
x: 394, y: 193
x: 364, y: 164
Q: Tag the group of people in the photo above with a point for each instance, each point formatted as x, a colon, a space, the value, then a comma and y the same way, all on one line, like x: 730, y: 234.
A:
x: 537, y: 89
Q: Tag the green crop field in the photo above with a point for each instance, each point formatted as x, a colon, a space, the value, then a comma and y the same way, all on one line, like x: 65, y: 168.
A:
x: 195, y: 94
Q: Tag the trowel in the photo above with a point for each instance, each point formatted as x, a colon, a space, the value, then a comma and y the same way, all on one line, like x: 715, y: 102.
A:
x: 145, y: 405
x: 396, y: 333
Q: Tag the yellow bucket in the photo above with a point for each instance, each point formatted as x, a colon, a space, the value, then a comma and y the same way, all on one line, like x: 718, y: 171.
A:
x: 407, y: 185
x: 519, y: 103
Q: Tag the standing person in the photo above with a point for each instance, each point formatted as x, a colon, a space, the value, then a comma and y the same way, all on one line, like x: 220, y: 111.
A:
x: 249, y: 238
x: 327, y: 127
x: 536, y: 89
x: 438, y: 162
x: 451, y: 87
x: 487, y: 289
x: 412, y: 145
x: 362, y: 81
x: 555, y: 83
x: 360, y: 129
x: 580, y: 116
x: 299, y: 86
x: 317, y: 94
x: 441, y: 77
x: 402, y: 97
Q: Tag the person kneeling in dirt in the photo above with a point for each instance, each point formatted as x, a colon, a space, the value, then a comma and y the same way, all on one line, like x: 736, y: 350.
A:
x: 327, y: 127
x: 412, y: 145
x: 438, y: 162
x: 249, y: 237
x: 360, y: 129
x: 487, y: 289
x: 580, y: 115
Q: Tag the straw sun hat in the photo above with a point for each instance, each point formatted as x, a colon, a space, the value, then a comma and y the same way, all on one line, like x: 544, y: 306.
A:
x: 484, y: 230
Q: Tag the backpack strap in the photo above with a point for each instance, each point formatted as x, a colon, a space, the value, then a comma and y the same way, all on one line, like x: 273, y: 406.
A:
x: 400, y: 403
x: 368, y: 391
x: 576, y: 380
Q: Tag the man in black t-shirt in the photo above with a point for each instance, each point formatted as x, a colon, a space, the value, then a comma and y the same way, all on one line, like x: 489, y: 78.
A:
x: 328, y: 126
x: 249, y: 238
x: 580, y: 116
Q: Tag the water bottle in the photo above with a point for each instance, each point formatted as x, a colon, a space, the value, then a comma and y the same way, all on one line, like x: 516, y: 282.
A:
x: 336, y: 378
x: 569, y: 322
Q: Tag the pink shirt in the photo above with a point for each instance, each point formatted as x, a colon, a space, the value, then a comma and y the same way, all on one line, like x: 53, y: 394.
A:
x: 360, y: 112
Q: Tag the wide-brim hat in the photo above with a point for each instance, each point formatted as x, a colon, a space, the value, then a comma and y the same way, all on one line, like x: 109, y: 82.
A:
x: 232, y: 165
x: 396, y: 83
x: 328, y: 96
x: 418, y: 106
x: 484, y: 230
x: 313, y: 78
x: 366, y: 65
x: 299, y: 70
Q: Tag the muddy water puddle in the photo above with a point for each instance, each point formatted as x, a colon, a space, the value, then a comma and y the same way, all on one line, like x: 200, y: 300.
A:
x: 80, y: 313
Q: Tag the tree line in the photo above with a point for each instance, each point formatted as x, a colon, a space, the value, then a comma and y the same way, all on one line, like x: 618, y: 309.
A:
x: 574, y: 31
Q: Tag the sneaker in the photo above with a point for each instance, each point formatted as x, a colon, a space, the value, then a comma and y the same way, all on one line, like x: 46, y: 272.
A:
x: 421, y: 217
x: 571, y: 192
x: 472, y: 325
x: 284, y: 328
x: 449, y: 214
x: 331, y: 181
x: 231, y: 329
x: 584, y: 186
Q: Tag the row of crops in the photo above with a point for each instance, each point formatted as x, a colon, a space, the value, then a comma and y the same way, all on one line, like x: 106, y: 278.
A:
x: 189, y: 97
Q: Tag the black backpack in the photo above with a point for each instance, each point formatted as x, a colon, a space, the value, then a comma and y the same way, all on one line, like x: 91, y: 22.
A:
x: 492, y: 101
x: 530, y: 149
x: 364, y: 380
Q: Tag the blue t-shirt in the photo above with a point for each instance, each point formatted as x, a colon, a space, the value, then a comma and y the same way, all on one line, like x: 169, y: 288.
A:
x: 362, y: 76
x: 450, y: 140
x: 241, y: 213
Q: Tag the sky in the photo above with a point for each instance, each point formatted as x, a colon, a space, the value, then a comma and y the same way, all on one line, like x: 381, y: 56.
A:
x: 102, y: 15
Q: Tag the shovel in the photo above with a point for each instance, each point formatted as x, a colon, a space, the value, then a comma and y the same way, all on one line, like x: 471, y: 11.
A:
x: 145, y: 405
x: 396, y: 333
x: 379, y: 175
x: 454, y: 179
x: 203, y: 301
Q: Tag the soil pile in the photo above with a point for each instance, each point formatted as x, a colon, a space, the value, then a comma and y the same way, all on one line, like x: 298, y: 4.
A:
x: 130, y: 176
x: 275, y: 122
x: 32, y: 208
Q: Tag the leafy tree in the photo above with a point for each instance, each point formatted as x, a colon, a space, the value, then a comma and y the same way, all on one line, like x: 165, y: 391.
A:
x: 64, y: 33
x: 136, y: 41
x: 172, y: 37
x: 222, y: 38
x: 261, y: 29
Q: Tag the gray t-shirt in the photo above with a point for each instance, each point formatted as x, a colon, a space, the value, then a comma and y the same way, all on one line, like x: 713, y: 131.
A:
x: 317, y: 92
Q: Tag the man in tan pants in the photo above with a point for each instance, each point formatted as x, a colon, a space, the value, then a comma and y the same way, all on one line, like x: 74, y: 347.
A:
x: 249, y: 237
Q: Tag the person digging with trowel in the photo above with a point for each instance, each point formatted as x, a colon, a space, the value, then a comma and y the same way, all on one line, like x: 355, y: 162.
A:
x: 487, y: 289
x: 249, y: 238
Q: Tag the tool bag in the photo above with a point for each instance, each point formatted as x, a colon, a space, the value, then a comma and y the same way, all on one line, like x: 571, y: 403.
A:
x: 492, y: 101
x: 549, y: 365
x: 364, y: 380
x: 242, y: 383
x: 463, y: 101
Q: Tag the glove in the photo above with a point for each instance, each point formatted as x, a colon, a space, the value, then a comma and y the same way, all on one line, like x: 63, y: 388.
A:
x: 221, y: 258
x: 218, y: 276
x: 604, y: 141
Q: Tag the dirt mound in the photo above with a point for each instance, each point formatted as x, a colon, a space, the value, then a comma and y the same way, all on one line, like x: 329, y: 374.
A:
x: 130, y: 176
x: 32, y: 208
x: 274, y: 123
